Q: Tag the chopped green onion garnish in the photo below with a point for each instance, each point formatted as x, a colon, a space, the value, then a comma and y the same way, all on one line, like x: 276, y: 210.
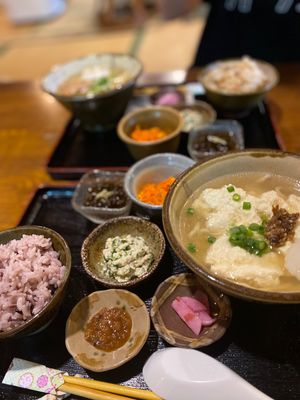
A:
x: 244, y: 237
x: 191, y: 247
x: 246, y: 205
x: 211, y: 239
x: 190, y: 211
x: 230, y: 189
x: 236, y: 197
x: 254, y: 227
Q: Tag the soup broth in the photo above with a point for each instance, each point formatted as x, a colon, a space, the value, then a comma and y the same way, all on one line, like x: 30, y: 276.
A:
x: 208, y: 216
x: 94, y: 80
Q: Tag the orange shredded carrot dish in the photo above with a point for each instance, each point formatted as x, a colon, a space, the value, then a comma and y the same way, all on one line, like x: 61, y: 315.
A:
x: 155, y: 193
x: 147, y: 135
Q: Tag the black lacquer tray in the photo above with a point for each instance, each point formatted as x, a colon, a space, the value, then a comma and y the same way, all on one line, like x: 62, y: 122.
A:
x: 79, y: 151
x: 262, y: 344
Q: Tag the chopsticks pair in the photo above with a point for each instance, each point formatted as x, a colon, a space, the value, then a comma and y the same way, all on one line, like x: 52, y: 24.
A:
x: 32, y: 376
x: 96, y: 390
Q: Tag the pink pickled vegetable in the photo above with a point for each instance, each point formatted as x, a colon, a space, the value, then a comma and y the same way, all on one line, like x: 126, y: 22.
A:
x: 191, y: 318
x: 194, y: 304
x: 194, y: 311
x: 206, y: 319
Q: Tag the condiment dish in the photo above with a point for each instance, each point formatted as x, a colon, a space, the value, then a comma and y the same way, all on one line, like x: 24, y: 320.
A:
x: 153, y: 169
x: 167, y: 119
x: 42, y: 319
x: 215, y: 139
x: 168, y: 324
x: 102, y: 111
x: 104, y: 185
x: 196, y: 115
x: 93, y: 246
x: 93, y: 358
x: 271, y: 164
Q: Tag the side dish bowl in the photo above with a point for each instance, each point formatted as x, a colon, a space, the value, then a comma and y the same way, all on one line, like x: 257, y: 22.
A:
x: 196, y: 115
x: 272, y: 162
x: 97, y: 179
x: 239, y: 101
x: 46, y: 315
x: 94, y: 244
x: 97, y: 112
x: 168, y: 324
x: 153, y: 169
x: 165, y: 118
x: 99, y: 360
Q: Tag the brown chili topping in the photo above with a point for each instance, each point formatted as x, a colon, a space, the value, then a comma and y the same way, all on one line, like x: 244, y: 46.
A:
x: 109, y: 329
x: 281, y: 227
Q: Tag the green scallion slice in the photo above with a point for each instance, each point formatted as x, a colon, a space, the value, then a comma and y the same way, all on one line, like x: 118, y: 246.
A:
x: 190, y: 211
x: 236, y: 197
x: 191, y: 247
x: 230, y: 189
x: 211, y: 239
x: 246, y: 205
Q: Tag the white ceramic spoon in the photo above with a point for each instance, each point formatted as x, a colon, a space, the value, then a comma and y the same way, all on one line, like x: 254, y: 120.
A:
x: 186, y: 374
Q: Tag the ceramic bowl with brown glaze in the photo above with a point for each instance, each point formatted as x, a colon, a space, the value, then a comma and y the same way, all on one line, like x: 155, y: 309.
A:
x: 170, y: 326
x: 93, y: 245
x: 239, y: 101
x: 42, y: 319
x: 166, y: 118
x: 93, y: 358
x: 271, y: 162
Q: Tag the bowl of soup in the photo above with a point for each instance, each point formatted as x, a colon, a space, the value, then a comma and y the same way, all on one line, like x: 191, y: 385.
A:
x: 95, y: 88
x: 238, y: 84
x: 235, y: 221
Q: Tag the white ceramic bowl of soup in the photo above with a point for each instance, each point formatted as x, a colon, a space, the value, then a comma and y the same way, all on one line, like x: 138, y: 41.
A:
x: 207, y: 203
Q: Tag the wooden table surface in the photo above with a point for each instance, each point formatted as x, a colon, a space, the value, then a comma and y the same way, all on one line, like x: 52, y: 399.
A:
x: 31, y: 123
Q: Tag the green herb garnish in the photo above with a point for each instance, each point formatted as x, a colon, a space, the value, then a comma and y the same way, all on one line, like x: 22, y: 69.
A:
x: 254, y: 227
x: 242, y: 236
x: 236, y: 197
x: 246, y: 205
x: 190, y: 211
x: 211, y: 239
x: 230, y: 189
x: 99, y: 84
x: 191, y: 247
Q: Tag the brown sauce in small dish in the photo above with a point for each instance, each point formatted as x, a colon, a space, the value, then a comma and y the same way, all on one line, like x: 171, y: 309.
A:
x: 109, y: 329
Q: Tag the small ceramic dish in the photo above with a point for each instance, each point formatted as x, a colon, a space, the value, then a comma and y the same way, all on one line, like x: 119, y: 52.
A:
x: 238, y: 101
x: 153, y: 169
x: 166, y: 118
x: 196, y: 115
x: 168, y: 96
x: 45, y: 316
x: 111, y: 185
x: 215, y: 139
x: 91, y: 357
x: 93, y: 245
x: 170, y: 326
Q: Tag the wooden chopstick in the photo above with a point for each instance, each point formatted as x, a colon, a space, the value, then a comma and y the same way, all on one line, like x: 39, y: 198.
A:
x: 112, y: 388
x: 89, y: 393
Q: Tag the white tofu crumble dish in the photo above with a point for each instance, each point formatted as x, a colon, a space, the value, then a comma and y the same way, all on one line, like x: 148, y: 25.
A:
x: 125, y: 257
x: 246, y: 230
